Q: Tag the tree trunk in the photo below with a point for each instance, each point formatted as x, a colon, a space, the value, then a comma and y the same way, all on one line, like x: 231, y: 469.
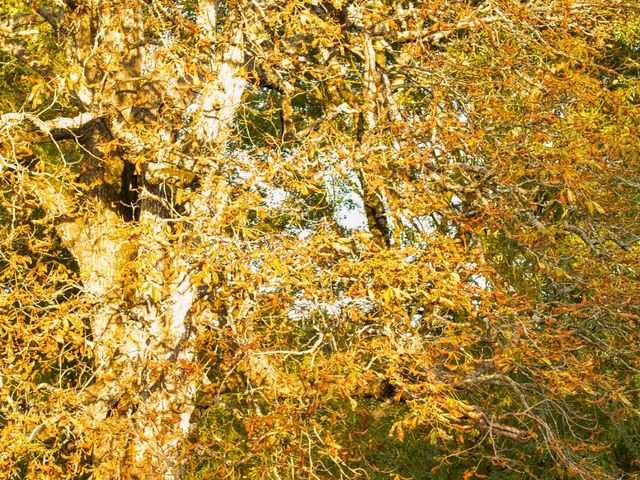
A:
x: 130, y: 257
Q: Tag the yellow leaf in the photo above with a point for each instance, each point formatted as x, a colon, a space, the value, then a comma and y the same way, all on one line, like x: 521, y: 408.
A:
x: 571, y: 198
x: 598, y: 207
x: 34, y: 96
x: 594, y: 206
x: 340, y: 248
x: 156, y: 295
x: 387, y: 295
x: 401, y: 294
x: 446, y: 302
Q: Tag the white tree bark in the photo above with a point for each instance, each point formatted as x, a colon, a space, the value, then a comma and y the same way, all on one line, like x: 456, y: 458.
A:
x: 135, y: 274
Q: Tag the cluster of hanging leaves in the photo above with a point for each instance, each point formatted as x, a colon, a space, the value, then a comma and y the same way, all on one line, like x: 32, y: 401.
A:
x: 423, y: 262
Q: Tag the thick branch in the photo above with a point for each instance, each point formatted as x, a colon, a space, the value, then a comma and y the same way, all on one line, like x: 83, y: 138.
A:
x: 61, y: 128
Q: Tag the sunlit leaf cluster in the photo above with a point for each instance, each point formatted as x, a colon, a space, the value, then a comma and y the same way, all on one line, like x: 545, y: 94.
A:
x: 373, y: 239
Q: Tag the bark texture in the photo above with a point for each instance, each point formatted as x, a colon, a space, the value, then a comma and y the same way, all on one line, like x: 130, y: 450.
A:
x: 145, y: 378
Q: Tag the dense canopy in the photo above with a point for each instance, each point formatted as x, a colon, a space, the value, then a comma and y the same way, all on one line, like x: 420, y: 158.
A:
x: 319, y: 239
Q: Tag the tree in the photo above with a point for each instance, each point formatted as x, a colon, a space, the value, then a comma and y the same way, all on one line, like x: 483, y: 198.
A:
x: 311, y: 220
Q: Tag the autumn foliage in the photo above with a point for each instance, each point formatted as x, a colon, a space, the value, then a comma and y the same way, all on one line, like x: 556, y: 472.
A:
x: 324, y: 239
